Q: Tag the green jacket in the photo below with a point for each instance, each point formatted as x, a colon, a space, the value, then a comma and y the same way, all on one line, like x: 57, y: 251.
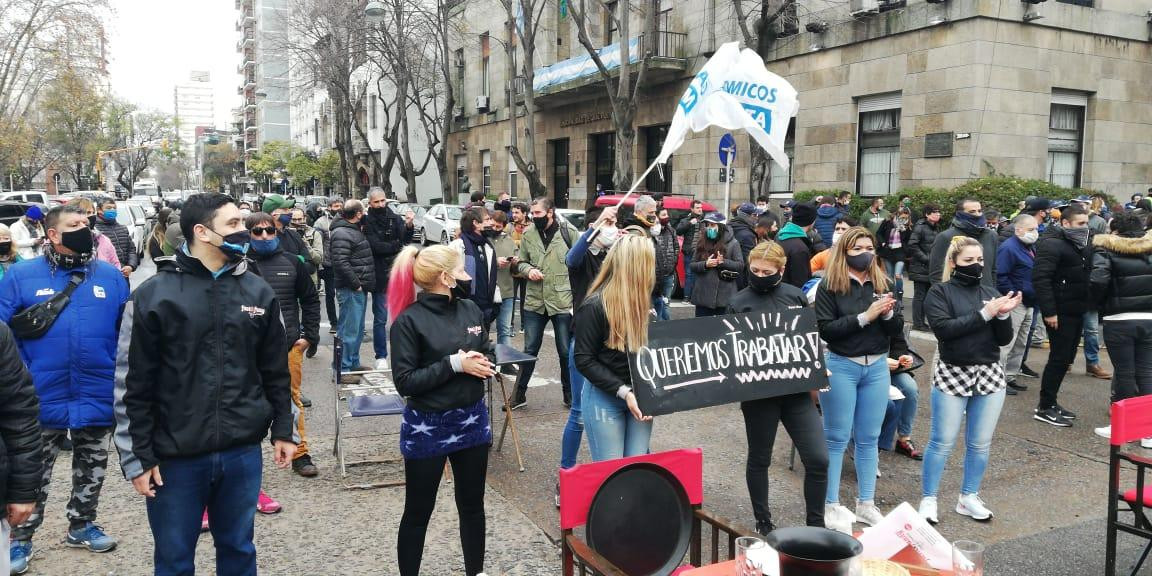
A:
x: 553, y: 295
x: 504, y: 247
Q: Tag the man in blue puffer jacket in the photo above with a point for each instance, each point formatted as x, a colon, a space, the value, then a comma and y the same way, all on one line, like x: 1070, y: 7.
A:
x: 72, y: 367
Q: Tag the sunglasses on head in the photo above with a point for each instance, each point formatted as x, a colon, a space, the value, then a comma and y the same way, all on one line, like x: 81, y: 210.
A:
x: 263, y: 230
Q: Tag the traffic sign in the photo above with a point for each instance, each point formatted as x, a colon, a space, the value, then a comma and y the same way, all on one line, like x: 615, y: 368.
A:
x: 727, y: 148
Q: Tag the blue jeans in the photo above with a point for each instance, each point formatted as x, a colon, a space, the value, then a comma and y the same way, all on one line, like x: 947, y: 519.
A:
x: 350, y: 327
x: 947, y: 410
x: 504, y: 328
x: 689, y: 279
x: 901, y: 413
x: 612, y: 430
x: 574, y: 429
x: 380, y: 324
x: 660, y: 299
x: 854, y: 407
x: 895, y: 269
x: 225, y: 483
x: 534, y: 337
x: 1091, y: 338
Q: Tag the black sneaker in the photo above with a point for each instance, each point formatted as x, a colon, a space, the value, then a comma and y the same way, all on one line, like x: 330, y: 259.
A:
x: 304, y: 467
x: 1026, y: 371
x: 305, y: 401
x: 66, y: 444
x: 1053, y: 417
x: 1017, y: 386
x: 1068, y: 414
x: 1010, y: 391
x: 763, y: 528
x: 516, y: 404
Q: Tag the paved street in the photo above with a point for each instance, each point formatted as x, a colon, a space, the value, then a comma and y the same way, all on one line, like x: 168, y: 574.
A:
x: 1046, y: 486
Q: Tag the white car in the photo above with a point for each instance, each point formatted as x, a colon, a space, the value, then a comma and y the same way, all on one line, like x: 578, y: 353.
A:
x: 574, y: 217
x: 145, y: 204
x: 36, y: 196
x: 440, y: 223
x: 132, y: 217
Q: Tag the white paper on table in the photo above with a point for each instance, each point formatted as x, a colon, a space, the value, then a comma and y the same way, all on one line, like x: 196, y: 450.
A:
x: 902, y: 527
x: 766, y: 559
x: 894, y: 393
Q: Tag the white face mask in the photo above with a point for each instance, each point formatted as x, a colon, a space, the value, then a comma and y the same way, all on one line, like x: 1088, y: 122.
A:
x: 836, y: 237
x: 655, y: 229
x: 244, y: 212
x: 1030, y: 237
x: 605, y: 239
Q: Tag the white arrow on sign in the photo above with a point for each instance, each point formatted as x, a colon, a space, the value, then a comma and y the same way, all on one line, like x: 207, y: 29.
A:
x: 719, y: 378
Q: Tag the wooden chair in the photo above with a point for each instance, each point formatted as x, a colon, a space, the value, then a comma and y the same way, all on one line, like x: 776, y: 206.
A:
x: 580, y: 484
x: 1131, y: 421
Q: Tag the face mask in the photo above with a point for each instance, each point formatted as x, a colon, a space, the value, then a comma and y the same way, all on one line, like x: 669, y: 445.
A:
x: 5, y: 247
x: 712, y: 233
x: 462, y: 289
x: 490, y: 233
x: 92, y: 221
x: 541, y: 223
x: 974, y: 221
x: 655, y: 229
x: 836, y: 237
x: 1078, y: 235
x: 968, y: 275
x: 332, y: 213
x: 78, y: 241
x: 605, y: 239
x: 860, y: 262
x: 284, y: 219
x: 265, y: 247
x: 1030, y: 237
x: 235, y: 245
x: 764, y: 284
x: 245, y: 213
x: 110, y: 215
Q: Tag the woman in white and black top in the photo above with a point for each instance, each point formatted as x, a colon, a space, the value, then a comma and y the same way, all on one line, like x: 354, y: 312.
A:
x: 971, y: 322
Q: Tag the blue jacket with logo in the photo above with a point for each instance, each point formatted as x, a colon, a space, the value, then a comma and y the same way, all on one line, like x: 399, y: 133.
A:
x: 1014, y: 262
x: 73, y: 365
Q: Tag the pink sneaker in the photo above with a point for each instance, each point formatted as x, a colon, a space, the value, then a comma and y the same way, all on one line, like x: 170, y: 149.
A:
x: 204, y: 522
x: 266, y: 505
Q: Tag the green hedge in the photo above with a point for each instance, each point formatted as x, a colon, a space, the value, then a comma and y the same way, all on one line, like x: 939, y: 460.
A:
x: 1004, y: 193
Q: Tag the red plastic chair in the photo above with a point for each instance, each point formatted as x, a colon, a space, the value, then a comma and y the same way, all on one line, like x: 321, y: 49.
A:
x: 1131, y: 421
x: 578, y: 488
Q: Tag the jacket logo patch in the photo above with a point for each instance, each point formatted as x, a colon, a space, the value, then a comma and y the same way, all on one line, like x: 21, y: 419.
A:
x: 283, y: 274
x: 253, y: 311
x: 45, y: 292
x: 98, y: 291
x: 475, y: 330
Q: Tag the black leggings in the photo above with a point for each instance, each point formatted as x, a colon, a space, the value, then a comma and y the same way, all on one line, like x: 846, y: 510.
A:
x: 802, y: 422
x: 422, y: 477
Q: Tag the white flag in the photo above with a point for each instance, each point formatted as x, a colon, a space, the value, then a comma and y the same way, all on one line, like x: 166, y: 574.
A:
x: 734, y: 90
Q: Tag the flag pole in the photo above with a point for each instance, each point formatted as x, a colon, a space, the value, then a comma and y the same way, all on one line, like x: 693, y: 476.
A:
x: 636, y: 184
x: 726, y: 209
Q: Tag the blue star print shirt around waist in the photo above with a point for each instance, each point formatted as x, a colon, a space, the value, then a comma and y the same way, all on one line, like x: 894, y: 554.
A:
x: 431, y: 434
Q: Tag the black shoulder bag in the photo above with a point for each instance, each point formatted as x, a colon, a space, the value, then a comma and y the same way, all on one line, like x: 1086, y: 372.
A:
x: 34, y: 321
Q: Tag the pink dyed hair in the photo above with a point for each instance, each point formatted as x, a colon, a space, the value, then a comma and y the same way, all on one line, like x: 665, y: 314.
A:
x: 402, y: 282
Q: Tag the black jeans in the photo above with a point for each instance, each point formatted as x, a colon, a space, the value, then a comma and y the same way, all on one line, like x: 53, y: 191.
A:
x: 422, y: 477
x: 1130, y: 349
x: 704, y: 311
x: 798, y: 414
x: 918, y: 303
x: 1065, y: 340
x: 326, y: 276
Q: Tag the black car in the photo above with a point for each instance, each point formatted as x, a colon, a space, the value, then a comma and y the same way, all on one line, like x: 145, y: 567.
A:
x: 11, y: 211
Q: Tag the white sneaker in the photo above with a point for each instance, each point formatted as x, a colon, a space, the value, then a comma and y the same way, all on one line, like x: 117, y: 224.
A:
x: 928, y: 509
x: 1146, y: 443
x: 382, y: 364
x: 1104, y: 431
x: 838, y: 518
x: 868, y: 513
x: 972, y: 506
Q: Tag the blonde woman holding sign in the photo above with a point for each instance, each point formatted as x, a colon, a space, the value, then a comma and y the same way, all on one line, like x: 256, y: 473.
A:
x: 610, y: 325
x: 766, y: 292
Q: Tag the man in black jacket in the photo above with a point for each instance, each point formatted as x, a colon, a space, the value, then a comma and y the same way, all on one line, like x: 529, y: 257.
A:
x: 689, y: 228
x: 1060, y: 280
x: 968, y: 221
x: 290, y: 241
x: 919, y: 249
x: 119, y: 235
x: 20, y: 440
x: 387, y: 233
x: 793, y: 238
x: 201, y: 376
x: 300, y: 307
x: 354, y: 275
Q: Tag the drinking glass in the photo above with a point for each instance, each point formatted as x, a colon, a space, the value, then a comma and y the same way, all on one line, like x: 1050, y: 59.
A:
x: 745, y: 565
x: 967, y: 558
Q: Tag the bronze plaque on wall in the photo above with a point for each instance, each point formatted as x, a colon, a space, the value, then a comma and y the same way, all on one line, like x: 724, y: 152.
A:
x: 938, y: 145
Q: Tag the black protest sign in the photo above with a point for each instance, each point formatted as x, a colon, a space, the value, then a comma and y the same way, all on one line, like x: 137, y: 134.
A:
x: 709, y: 361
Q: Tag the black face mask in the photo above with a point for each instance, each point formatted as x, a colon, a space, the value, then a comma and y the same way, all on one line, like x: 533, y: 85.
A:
x: 489, y: 233
x: 860, y: 262
x: 5, y: 247
x: 764, y: 284
x: 235, y: 245
x: 969, y: 275
x: 92, y: 221
x: 79, y: 241
x: 541, y: 223
x: 377, y: 212
x: 462, y: 290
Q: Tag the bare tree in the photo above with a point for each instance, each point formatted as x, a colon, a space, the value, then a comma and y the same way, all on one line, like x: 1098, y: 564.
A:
x: 521, y: 32
x: 138, y: 134
x: 623, y: 93
x: 74, y: 116
x: 26, y: 149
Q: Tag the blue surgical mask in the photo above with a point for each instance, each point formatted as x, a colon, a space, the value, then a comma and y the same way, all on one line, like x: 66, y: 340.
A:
x: 284, y: 219
x: 110, y: 215
x: 265, y: 247
x: 712, y: 233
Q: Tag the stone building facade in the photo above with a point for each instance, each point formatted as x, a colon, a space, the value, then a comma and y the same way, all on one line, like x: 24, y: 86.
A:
x: 893, y: 94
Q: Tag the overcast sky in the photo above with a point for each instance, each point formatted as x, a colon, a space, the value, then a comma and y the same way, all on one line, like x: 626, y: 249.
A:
x: 155, y: 44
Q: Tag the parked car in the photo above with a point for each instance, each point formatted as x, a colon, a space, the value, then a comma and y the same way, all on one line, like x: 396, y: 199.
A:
x: 12, y: 210
x: 132, y: 216
x: 37, y: 196
x: 440, y: 223
x: 574, y: 217
x: 145, y: 204
x: 418, y: 214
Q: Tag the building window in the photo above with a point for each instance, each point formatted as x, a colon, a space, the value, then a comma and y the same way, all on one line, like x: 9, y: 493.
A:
x: 659, y: 180
x: 461, y: 172
x: 879, y: 152
x: 513, y: 177
x: 316, y: 132
x: 485, y: 46
x: 1087, y: 3
x: 486, y: 172
x: 605, y: 148
x: 460, y: 64
x: 780, y: 178
x: 610, y: 25
x: 372, y: 111
x: 1065, y: 134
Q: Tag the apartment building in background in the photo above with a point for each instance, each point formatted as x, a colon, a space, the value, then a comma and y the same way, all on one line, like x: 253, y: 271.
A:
x: 264, y: 71
x: 893, y: 94
x: 194, y: 108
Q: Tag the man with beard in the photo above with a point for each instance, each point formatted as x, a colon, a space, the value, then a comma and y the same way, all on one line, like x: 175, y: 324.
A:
x: 968, y: 221
x: 387, y: 233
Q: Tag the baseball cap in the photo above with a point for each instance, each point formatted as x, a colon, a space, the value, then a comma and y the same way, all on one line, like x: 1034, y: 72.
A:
x: 747, y: 208
x: 1037, y: 204
x: 788, y: 204
x: 714, y: 217
x: 275, y: 201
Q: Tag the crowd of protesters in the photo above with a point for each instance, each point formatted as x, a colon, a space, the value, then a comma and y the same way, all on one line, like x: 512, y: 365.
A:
x: 234, y: 309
